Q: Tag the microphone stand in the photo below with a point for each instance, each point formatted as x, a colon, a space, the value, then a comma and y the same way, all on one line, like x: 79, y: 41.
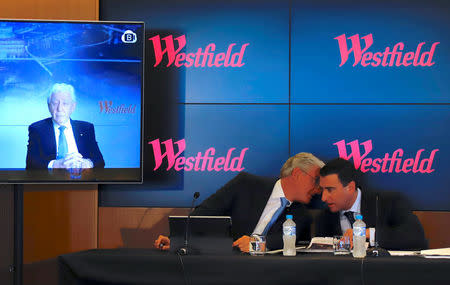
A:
x: 377, y: 251
x: 185, y: 250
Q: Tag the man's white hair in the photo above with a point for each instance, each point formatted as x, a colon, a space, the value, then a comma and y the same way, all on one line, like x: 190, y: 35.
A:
x: 302, y: 160
x: 62, y: 88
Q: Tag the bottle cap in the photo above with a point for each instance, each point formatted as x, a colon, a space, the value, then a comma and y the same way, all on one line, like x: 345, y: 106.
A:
x: 359, y: 217
x: 288, y: 216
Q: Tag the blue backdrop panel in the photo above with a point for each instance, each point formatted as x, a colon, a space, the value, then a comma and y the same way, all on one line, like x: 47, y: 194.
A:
x: 317, y: 77
x: 13, y: 140
x: 262, y: 129
x: 263, y: 24
x: 312, y: 77
x: 411, y: 128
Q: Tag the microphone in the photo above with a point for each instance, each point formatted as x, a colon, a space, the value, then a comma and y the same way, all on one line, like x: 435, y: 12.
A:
x: 377, y: 251
x: 185, y: 250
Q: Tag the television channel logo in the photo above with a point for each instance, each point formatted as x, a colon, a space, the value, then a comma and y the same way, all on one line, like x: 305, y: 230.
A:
x: 129, y: 37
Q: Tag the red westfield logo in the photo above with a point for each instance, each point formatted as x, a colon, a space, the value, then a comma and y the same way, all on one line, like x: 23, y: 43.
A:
x: 108, y: 107
x: 394, y: 56
x: 202, y: 58
x: 206, y: 161
x: 391, y: 163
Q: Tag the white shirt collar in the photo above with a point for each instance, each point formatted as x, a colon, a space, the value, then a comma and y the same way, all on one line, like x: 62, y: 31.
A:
x: 272, y: 205
x: 66, y: 124
x: 278, y: 192
x: 356, y: 207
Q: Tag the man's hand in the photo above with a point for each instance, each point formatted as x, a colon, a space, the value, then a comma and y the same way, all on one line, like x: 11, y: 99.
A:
x: 73, y: 160
x: 162, y: 243
x: 243, y: 243
x: 349, y: 233
x: 59, y: 163
x: 86, y: 163
x: 68, y: 161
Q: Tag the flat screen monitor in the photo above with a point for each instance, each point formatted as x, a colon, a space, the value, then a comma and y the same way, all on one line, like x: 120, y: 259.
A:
x: 71, y: 101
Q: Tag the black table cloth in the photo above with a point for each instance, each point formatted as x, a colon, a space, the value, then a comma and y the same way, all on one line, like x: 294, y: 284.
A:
x: 147, y: 266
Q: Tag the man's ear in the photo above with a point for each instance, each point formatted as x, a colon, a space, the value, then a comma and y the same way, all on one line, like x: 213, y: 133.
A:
x: 351, y: 186
x: 296, y: 172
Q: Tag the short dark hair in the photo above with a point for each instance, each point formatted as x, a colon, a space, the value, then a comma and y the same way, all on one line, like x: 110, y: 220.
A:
x: 344, y: 169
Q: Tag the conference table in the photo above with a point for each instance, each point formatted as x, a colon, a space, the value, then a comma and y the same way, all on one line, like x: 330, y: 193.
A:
x: 150, y: 266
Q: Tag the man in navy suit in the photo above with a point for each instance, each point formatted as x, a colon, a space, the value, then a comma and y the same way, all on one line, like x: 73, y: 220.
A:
x: 60, y: 142
x: 395, y: 226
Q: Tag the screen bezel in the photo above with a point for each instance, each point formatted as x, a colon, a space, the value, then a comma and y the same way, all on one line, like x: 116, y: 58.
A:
x: 53, y: 177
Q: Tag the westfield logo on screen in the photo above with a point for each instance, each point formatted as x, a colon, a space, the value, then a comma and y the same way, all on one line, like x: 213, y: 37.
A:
x: 391, y: 163
x: 203, y: 57
x: 108, y: 107
x: 390, y: 56
x: 205, y: 161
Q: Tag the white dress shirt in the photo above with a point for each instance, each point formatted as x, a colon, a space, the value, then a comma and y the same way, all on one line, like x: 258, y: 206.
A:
x: 70, y: 138
x: 272, y: 206
x: 356, y: 209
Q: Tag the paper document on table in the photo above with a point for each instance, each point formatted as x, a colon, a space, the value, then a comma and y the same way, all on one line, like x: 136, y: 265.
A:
x: 437, y: 256
x: 436, y: 251
x: 403, y: 253
x: 319, y: 244
x: 428, y: 253
x: 281, y: 250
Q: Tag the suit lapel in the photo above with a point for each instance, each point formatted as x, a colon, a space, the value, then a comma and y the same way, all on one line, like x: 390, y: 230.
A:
x: 368, y: 209
x: 336, y: 223
x: 78, y: 136
x: 76, y: 133
x: 49, y: 140
x: 260, y: 198
x: 264, y: 193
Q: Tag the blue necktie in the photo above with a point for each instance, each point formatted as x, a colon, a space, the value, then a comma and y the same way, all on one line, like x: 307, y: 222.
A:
x: 62, y: 143
x: 275, y: 216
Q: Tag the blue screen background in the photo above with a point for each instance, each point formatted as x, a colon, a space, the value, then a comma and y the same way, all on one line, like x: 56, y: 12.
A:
x: 91, y: 57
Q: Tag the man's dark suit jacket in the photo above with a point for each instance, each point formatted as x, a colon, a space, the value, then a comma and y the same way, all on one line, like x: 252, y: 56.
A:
x: 397, y: 226
x: 42, y: 143
x: 244, y: 199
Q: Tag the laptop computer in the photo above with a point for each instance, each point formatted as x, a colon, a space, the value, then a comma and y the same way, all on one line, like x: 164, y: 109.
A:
x: 208, y: 234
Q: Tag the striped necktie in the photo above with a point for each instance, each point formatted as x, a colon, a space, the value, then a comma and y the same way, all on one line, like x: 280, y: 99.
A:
x: 275, y: 216
x: 62, y: 143
x: 350, y: 217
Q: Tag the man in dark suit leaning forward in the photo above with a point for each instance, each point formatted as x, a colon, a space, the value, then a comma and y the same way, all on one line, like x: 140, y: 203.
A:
x: 60, y: 142
x: 259, y: 205
x: 397, y: 227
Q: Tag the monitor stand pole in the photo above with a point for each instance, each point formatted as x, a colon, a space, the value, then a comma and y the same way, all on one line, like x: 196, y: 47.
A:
x: 18, y: 234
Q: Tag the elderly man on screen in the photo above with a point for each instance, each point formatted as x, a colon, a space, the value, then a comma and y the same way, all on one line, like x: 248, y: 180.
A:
x: 60, y: 142
x: 396, y: 226
x: 258, y: 205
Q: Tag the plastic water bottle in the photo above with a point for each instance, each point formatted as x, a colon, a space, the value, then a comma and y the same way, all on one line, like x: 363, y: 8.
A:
x: 289, y: 237
x: 359, y: 237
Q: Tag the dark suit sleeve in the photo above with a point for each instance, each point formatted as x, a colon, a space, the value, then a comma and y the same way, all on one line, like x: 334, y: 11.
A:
x: 303, y: 222
x: 400, y: 228
x: 94, y: 151
x: 35, y: 159
x: 220, y: 203
x: 327, y: 224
